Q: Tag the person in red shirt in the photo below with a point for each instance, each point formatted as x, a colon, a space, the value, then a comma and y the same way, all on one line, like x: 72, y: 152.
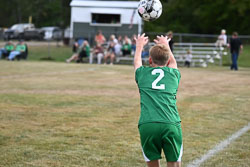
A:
x: 98, y: 53
x: 99, y: 38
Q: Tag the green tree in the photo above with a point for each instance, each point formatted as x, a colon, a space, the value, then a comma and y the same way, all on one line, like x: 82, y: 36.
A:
x: 43, y: 12
x: 203, y: 16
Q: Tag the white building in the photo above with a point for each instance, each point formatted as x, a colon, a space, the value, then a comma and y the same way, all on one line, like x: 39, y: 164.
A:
x: 111, y: 17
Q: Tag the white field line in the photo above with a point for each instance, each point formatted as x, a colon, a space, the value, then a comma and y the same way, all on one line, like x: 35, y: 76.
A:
x: 197, y: 162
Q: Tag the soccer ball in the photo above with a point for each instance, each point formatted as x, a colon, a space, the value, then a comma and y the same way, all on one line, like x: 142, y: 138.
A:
x: 149, y: 10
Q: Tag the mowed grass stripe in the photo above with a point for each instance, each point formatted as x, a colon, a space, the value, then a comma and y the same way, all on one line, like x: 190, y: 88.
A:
x: 47, y: 74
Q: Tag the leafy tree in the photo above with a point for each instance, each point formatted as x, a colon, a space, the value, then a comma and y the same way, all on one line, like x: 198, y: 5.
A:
x: 203, y: 16
x: 43, y: 12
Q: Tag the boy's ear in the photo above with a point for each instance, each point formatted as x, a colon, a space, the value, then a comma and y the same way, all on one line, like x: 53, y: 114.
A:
x: 150, y: 60
x: 168, y: 62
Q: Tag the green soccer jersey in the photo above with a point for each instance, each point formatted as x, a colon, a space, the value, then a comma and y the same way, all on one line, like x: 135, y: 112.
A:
x: 20, y: 47
x: 158, y: 88
x: 9, y: 47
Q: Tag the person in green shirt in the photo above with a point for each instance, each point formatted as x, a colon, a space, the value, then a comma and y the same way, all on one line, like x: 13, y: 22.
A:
x: 20, y: 50
x: 126, y: 48
x: 82, y: 51
x: 85, y: 52
x: 159, y: 124
x: 8, y: 47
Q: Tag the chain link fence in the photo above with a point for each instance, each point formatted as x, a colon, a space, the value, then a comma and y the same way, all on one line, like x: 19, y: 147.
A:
x: 199, y: 38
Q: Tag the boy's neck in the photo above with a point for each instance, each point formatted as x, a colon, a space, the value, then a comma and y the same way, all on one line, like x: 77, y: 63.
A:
x: 156, y: 65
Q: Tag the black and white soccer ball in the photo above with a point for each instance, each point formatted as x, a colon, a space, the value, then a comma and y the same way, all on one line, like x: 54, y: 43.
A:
x: 150, y: 10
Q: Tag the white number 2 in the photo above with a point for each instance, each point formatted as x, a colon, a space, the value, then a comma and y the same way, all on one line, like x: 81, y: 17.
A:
x: 154, y: 84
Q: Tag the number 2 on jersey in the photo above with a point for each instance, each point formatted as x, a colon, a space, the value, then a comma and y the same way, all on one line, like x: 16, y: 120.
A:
x: 154, y: 84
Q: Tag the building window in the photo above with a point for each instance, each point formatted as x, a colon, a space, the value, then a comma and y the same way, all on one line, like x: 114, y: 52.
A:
x: 98, y: 18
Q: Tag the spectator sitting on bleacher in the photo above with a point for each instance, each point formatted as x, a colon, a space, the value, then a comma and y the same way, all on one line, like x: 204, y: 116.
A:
x: 98, y: 53
x: 75, y: 47
x: 8, y: 47
x: 127, y: 39
x: 222, y: 39
x: 126, y: 47
x: 111, y: 50
x: 99, y: 38
x: 83, y: 51
x: 188, y: 59
x: 118, y: 46
x: 21, y: 52
x: 119, y: 40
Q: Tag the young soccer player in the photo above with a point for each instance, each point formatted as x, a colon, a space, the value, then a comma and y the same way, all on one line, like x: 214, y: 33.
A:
x: 159, y: 123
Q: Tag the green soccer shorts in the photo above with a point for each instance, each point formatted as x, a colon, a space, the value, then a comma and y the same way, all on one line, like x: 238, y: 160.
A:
x: 156, y: 137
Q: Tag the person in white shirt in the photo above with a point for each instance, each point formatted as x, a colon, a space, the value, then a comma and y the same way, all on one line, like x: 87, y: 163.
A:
x: 188, y: 58
x: 222, y: 39
x: 118, y: 47
x: 111, y: 50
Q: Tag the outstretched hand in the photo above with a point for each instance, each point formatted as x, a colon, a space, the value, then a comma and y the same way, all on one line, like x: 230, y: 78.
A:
x: 141, y: 40
x: 162, y: 40
x: 165, y: 41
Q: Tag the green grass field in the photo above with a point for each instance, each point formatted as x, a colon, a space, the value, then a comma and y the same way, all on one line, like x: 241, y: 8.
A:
x: 56, y: 114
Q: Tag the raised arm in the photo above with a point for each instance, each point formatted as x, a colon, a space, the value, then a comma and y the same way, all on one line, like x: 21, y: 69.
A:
x: 165, y: 40
x: 141, y: 41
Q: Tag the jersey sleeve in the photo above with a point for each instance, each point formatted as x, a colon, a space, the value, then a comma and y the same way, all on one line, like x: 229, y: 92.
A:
x: 177, y: 74
x: 138, y: 73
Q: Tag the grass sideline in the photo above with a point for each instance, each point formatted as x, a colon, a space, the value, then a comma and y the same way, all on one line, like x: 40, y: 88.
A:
x: 56, y: 114
x: 243, y: 60
x: 57, y: 53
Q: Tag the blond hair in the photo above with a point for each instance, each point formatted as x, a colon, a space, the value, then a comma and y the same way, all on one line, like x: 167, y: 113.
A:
x: 159, y: 54
x: 223, y: 31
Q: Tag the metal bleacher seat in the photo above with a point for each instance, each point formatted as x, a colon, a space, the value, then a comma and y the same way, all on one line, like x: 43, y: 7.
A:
x: 203, y: 54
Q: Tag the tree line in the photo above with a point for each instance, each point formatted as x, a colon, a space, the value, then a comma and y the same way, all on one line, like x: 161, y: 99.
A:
x: 203, y: 16
x: 43, y: 12
x: 184, y: 16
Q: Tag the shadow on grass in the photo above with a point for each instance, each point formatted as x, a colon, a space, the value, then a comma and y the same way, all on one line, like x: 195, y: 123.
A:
x: 47, y: 59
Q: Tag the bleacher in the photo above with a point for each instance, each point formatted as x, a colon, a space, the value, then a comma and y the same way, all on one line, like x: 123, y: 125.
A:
x: 203, y: 54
